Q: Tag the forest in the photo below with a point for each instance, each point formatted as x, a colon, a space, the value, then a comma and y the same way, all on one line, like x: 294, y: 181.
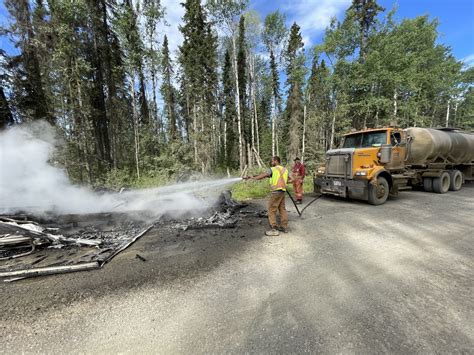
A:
x: 239, y: 88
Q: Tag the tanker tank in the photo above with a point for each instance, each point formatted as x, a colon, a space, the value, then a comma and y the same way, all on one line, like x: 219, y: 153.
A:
x: 440, y: 146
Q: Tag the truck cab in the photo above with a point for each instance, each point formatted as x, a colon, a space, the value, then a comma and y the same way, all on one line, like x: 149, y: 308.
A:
x: 365, y: 165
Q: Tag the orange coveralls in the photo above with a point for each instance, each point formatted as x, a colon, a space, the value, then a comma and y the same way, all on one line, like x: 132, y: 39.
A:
x: 297, y: 177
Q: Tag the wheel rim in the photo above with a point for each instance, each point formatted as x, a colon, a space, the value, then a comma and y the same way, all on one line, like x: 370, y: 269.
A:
x: 380, y: 191
x: 457, y: 181
x: 445, y: 182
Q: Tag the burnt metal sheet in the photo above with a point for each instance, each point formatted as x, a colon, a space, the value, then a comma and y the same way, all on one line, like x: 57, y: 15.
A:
x: 77, y: 242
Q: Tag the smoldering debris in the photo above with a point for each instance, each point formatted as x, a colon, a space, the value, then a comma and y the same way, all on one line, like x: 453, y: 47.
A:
x: 50, y: 225
x: 71, y: 243
x: 223, y: 217
x: 35, y: 246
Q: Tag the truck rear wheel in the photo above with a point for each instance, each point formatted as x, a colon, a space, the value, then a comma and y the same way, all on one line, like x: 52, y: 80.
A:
x: 378, y: 194
x: 456, y: 180
x: 441, y: 184
x: 428, y: 184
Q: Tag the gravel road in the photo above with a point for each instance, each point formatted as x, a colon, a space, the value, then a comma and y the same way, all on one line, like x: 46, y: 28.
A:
x: 348, y: 278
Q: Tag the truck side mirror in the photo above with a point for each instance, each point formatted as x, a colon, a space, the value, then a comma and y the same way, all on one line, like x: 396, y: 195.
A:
x: 385, y: 153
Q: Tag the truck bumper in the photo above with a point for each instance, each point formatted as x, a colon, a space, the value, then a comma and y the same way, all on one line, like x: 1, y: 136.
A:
x: 357, y: 189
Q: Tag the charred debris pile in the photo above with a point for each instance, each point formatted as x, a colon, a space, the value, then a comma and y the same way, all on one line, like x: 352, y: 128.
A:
x: 35, y: 245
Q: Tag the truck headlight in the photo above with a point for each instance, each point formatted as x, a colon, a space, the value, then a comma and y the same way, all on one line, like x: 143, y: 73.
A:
x: 361, y: 173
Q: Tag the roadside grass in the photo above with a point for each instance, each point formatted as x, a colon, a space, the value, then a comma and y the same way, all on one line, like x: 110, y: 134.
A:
x: 251, y: 189
x: 150, y: 181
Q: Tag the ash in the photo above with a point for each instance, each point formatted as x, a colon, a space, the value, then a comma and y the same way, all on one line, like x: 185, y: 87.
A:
x: 30, y: 242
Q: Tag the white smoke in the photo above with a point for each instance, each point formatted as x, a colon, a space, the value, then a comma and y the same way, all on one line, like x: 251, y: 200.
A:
x: 29, y: 183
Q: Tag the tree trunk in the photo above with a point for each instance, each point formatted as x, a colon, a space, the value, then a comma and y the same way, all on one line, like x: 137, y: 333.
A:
x: 277, y: 145
x: 333, y: 126
x: 186, y: 121
x: 135, y: 126
x: 83, y: 131
x: 256, y: 125
x: 154, y: 86
x: 447, y: 112
x: 273, y: 125
x: 249, y: 156
x: 237, y: 102
x: 225, y: 142
x: 255, y: 133
x: 395, y: 104
x: 143, y: 100
x: 194, y: 134
x: 456, y: 114
x: 97, y: 95
x: 304, y: 134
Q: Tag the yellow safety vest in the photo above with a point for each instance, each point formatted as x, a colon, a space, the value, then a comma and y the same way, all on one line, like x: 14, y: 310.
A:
x: 279, y: 178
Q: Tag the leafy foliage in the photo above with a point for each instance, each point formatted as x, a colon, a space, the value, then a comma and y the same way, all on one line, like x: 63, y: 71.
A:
x: 238, y: 91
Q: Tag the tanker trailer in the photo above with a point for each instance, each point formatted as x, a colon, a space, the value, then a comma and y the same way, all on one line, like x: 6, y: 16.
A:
x: 372, y: 164
x: 440, y: 159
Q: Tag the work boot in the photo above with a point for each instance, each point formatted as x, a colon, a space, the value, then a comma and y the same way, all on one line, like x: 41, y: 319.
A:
x: 272, y: 233
x: 283, y: 229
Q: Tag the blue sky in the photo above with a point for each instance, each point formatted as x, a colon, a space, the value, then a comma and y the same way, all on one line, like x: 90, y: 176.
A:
x: 456, y: 19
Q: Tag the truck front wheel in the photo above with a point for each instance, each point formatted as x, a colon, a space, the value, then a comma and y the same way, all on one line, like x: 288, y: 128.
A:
x: 378, y: 193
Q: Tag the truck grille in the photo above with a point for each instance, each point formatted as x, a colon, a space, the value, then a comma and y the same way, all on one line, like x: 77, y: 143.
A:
x: 336, y: 163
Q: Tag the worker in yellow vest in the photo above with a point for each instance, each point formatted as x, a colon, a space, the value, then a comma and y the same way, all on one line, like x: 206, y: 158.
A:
x: 278, y: 176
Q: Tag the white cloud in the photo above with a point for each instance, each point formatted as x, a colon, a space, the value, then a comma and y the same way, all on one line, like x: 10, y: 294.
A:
x: 469, y: 60
x: 313, y: 16
x: 307, y: 41
x: 174, y: 15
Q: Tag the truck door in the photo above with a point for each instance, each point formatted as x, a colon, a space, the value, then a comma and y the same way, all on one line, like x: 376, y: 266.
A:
x: 398, y: 142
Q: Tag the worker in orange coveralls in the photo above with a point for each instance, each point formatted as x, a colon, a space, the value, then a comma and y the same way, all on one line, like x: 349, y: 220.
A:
x: 297, y: 177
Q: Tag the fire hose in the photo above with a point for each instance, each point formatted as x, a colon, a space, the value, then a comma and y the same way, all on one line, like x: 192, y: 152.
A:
x: 292, y: 199
x: 305, y: 207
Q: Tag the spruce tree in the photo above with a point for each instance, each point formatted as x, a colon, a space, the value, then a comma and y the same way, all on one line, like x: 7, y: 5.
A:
x: 6, y: 117
x: 242, y: 75
x: 135, y: 52
x: 295, y: 81
x: 28, y: 85
x: 229, y: 113
x: 365, y: 12
x: 168, y: 91
x: 198, y: 59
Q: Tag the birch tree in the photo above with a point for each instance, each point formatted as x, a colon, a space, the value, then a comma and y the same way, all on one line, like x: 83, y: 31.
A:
x: 274, y: 34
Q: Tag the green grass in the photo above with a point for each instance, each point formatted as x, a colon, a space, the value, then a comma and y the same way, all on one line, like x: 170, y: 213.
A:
x: 150, y: 181
x: 251, y: 189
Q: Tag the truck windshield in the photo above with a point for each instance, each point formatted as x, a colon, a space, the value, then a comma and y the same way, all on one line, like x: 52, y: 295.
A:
x: 365, y: 140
